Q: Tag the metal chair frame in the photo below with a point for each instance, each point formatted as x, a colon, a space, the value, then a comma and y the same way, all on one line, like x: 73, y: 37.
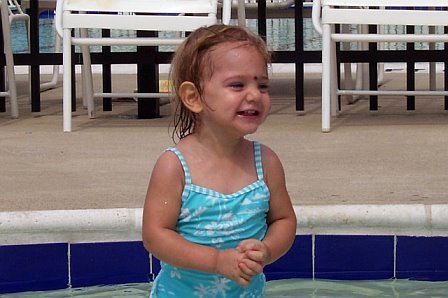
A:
x: 154, y: 15
x: 328, y: 13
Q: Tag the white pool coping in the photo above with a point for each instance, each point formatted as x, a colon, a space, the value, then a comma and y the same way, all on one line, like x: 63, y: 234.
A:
x: 124, y: 224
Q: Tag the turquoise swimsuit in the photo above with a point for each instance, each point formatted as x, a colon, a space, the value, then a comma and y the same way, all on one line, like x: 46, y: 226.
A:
x: 210, y: 218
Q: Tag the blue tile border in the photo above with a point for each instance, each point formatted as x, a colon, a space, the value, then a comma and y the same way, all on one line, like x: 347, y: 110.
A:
x: 37, y: 267
x: 296, y: 263
x: 422, y: 258
x: 354, y: 257
x: 108, y: 263
x: 59, y: 265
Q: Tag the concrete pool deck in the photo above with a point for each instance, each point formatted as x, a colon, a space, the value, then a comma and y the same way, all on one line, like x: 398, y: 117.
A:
x: 388, y: 157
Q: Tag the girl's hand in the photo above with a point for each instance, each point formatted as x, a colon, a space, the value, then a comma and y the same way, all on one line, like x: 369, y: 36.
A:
x: 256, y: 256
x: 227, y: 265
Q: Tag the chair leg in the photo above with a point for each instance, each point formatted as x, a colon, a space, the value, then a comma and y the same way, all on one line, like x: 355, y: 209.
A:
x: 362, y: 70
x: 348, y: 78
x: 67, y: 81
x: 365, y: 66
x: 87, y: 79
x: 326, y: 77
x: 241, y: 13
x: 432, y: 65
x: 381, y: 65
x: 12, y: 90
x: 334, y: 103
x: 26, y: 19
x: 55, y: 78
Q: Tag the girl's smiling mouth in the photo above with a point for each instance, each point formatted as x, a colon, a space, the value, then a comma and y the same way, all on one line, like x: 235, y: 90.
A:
x: 248, y: 113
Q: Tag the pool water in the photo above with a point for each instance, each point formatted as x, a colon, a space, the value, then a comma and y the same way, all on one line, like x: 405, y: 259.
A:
x: 279, y: 288
x: 276, y: 41
x: 280, y: 36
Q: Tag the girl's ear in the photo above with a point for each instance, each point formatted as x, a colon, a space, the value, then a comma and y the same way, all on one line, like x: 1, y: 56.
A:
x: 190, y: 97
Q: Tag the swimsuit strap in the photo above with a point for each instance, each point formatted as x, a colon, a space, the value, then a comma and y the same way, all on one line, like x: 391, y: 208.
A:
x: 258, y: 163
x: 184, y: 165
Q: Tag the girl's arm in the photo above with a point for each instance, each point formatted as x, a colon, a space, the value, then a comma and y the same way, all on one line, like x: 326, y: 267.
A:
x: 160, y: 215
x: 281, y: 219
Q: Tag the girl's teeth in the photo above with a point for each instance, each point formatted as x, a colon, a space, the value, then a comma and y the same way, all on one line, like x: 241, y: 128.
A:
x: 249, y: 113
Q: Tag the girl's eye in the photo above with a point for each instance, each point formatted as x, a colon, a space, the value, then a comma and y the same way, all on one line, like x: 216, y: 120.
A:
x: 237, y: 85
x: 263, y: 87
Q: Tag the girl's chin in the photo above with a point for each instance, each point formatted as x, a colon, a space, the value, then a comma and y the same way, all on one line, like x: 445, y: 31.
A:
x: 250, y: 130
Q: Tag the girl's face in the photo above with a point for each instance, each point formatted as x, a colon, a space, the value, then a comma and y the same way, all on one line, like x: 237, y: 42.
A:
x: 236, y: 95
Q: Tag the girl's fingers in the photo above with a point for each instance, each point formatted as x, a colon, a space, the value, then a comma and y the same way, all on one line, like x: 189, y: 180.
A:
x: 250, y: 267
x: 249, y: 244
x: 255, y: 255
x: 246, y: 270
x: 243, y: 282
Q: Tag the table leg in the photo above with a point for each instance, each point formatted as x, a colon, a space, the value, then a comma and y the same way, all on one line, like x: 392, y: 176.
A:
x: 34, y: 52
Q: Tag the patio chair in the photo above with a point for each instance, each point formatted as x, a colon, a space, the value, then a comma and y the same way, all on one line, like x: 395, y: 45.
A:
x: 16, y: 13
x: 154, y: 15
x: 328, y: 13
x: 11, y: 89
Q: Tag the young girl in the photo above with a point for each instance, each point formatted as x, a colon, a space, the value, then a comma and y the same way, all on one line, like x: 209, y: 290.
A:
x: 217, y: 209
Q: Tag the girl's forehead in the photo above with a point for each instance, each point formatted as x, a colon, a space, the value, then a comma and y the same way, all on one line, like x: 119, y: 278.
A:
x: 232, y: 56
x: 232, y: 51
x: 225, y: 47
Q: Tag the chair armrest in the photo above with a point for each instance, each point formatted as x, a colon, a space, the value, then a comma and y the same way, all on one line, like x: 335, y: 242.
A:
x: 58, y: 18
x: 316, y: 16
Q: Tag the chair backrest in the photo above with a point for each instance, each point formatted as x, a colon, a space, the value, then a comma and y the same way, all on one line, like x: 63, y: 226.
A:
x: 385, y: 12
x: 165, y: 15
x: 380, y: 12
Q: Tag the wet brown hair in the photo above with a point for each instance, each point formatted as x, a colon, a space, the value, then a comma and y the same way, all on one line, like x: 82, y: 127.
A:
x: 191, y: 63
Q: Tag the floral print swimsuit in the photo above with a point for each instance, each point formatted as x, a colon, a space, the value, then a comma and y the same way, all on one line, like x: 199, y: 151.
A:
x: 221, y: 221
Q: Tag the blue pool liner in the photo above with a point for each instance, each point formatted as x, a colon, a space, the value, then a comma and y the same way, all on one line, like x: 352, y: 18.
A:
x: 37, y: 267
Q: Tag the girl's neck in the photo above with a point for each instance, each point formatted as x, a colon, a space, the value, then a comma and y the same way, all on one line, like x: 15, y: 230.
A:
x: 225, y: 166
x: 221, y: 146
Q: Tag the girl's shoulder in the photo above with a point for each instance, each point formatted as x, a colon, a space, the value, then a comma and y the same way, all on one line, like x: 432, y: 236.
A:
x: 168, y: 163
x: 268, y: 155
x: 272, y: 165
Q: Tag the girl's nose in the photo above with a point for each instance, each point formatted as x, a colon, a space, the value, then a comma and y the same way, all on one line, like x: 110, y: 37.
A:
x: 253, y: 93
